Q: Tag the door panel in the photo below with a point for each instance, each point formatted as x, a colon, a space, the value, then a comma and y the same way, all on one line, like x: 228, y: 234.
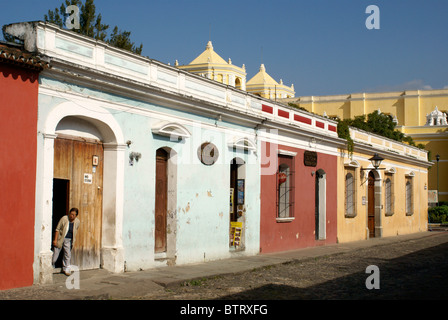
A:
x: 73, y: 159
x: 161, y: 201
x: 371, y: 207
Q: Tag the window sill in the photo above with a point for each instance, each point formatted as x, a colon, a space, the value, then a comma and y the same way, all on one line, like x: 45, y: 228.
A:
x: 351, y: 215
x: 281, y: 220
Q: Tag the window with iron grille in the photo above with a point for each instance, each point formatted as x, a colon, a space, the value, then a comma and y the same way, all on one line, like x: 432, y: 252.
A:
x: 389, y: 194
x: 409, y: 198
x: 285, y: 187
x: 350, y: 193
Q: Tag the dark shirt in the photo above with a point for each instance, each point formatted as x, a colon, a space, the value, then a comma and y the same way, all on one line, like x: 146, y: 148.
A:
x: 70, y: 231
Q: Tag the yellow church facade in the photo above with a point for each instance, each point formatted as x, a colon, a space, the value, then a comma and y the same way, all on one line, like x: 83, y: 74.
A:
x: 421, y: 114
x: 211, y: 65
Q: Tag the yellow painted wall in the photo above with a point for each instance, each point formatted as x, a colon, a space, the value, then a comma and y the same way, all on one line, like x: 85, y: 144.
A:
x: 410, y: 108
x: 356, y: 228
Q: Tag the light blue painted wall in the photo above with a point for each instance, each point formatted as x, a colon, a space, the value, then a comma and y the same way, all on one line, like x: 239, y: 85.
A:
x: 202, y: 191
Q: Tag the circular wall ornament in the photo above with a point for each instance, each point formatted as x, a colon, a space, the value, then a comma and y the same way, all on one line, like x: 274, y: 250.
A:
x: 208, y: 153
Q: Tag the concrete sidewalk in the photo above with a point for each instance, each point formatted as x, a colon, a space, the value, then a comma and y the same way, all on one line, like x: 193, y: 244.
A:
x: 101, y: 284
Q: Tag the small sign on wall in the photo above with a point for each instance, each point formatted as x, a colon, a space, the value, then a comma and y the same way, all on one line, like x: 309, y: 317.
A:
x: 310, y: 158
x: 88, y: 178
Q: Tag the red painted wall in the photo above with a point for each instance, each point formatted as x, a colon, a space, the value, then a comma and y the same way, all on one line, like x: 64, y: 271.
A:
x: 299, y: 233
x: 18, y: 132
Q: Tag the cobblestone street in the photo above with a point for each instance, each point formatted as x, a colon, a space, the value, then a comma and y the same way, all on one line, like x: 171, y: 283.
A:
x: 414, y: 269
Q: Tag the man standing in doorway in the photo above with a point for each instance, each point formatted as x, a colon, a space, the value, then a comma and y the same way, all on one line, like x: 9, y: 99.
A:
x: 64, y: 238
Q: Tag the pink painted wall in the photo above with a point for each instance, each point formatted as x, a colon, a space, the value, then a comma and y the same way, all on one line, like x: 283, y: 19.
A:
x: 299, y: 233
x: 18, y: 129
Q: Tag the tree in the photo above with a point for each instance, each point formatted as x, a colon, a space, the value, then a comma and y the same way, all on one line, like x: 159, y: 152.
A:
x: 91, y: 25
x: 121, y: 39
x: 378, y: 123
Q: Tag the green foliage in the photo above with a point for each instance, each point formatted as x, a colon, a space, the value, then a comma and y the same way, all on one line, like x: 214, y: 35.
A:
x: 121, y: 39
x: 343, y: 131
x: 377, y: 123
x: 91, y: 25
x: 296, y: 106
x: 438, y: 214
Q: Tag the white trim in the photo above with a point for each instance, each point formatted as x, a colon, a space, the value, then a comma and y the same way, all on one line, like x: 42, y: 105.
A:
x: 172, y: 130
x: 285, y: 219
x: 352, y: 164
x: 287, y: 153
x: 243, y: 143
x: 410, y: 174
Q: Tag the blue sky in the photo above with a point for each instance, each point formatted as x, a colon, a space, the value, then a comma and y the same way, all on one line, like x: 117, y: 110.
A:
x: 321, y: 46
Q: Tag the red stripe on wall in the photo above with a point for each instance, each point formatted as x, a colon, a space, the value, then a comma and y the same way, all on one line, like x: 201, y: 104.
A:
x: 266, y: 108
x: 282, y: 113
x: 332, y: 128
x: 302, y: 119
x: 320, y: 124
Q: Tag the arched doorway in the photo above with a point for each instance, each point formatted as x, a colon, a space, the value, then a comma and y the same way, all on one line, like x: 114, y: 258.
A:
x: 161, y: 201
x: 78, y: 182
x: 165, y: 218
x: 321, y: 206
x: 371, y: 205
x: 374, y: 205
x: 101, y: 122
x: 237, y: 203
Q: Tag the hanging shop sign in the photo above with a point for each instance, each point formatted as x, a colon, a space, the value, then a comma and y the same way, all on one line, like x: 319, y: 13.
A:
x: 310, y: 158
x: 208, y: 153
x: 281, y: 178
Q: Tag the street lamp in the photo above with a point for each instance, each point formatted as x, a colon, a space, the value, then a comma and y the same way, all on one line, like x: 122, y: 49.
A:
x: 376, y: 162
x: 437, y: 158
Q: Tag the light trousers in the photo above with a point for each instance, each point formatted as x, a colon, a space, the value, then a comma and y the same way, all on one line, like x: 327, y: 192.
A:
x: 67, y: 247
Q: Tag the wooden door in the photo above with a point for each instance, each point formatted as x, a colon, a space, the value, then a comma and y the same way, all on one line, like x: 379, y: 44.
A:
x: 74, y: 161
x: 161, y: 201
x: 371, y: 206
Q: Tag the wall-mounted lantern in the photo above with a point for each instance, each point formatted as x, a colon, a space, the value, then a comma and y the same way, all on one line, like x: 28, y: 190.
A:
x: 376, y: 162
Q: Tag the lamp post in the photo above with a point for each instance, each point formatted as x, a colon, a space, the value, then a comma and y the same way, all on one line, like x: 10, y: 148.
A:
x: 376, y: 161
x: 437, y: 158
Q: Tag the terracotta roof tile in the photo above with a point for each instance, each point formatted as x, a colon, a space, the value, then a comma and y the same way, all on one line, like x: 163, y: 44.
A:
x: 13, y: 54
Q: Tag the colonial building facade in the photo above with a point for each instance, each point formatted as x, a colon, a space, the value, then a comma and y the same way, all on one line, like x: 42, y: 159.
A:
x: 421, y: 114
x: 170, y: 167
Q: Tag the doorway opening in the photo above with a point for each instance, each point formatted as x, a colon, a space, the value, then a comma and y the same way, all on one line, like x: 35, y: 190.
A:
x: 78, y: 182
x: 165, y: 216
x: 321, y: 206
x: 237, y: 204
x: 371, y: 205
x: 161, y: 201
x: 61, y: 198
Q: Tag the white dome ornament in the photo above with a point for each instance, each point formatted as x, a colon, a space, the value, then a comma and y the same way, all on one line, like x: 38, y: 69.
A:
x: 436, y: 118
